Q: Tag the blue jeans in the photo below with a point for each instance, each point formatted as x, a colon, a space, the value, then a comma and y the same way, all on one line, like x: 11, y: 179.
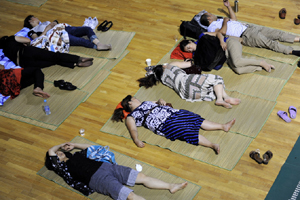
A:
x: 76, y: 33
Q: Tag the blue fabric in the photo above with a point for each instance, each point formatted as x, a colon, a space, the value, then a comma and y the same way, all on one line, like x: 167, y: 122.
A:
x: 8, y: 64
x: 23, y: 33
x: 76, y: 33
x: 100, y: 153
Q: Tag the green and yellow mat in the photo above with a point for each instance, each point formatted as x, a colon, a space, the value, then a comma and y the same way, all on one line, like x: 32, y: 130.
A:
x: 188, y: 193
x: 258, y: 92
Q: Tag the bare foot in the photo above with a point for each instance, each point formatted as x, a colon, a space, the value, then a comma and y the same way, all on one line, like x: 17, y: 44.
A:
x: 228, y: 125
x: 103, y: 47
x: 40, y: 93
x: 232, y: 101
x: 223, y: 103
x: 266, y: 66
x: 179, y: 186
x: 216, y: 148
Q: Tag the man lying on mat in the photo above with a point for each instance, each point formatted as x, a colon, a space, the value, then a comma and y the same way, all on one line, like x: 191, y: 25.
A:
x: 252, y: 35
x: 75, y: 33
x: 166, y: 121
x: 87, y: 175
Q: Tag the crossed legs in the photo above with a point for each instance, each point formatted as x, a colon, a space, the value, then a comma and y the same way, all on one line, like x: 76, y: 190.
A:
x: 223, y: 99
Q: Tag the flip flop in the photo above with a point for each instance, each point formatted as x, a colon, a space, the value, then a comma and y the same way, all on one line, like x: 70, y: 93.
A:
x: 255, y: 155
x: 292, y: 112
x: 283, y: 115
x: 100, y: 27
x: 267, y: 157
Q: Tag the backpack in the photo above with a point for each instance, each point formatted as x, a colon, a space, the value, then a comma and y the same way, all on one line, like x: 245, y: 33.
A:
x: 191, y: 29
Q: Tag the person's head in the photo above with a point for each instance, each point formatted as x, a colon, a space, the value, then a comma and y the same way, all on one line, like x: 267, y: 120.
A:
x: 188, y: 46
x: 207, y: 18
x: 153, y: 77
x: 31, y: 21
x: 125, y: 107
x: 61, y: 157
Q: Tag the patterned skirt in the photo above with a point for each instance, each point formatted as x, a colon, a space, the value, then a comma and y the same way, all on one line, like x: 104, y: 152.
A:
x: 183, y: 125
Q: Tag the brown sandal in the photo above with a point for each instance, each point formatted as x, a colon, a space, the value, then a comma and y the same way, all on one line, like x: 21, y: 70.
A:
x: 282, y: 13
x: 267, y: 157
x: 255, y: 155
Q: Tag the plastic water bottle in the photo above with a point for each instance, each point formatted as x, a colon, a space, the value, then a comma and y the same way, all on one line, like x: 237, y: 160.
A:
x: 46, y: 107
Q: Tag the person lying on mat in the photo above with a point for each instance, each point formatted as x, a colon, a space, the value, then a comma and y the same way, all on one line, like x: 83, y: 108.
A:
x: 191, y: 87
x: 252, y: 35
x: 87, y: 175
x: 17, y: 50
x: 214, y: 45
x: 75, y: 33
x: 166, y: 121
x: 14, y: 80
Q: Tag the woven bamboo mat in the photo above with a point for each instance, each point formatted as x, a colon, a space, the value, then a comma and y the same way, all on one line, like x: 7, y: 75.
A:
x: 36, y: 3
x: 188, y: 193
x: 78, y: 76
x: 28, y: 108
x: 118, y: 39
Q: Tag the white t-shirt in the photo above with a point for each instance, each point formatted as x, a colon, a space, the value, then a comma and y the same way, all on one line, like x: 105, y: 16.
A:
x: 234, y: 28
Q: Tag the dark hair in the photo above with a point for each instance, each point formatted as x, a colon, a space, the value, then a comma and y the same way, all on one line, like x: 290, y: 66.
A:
x: 203, y: 20
x: 27, y: 23
x: 48, y: 162
x: 152, y: 79
x: 3, y: 42
x: 183, y: 44
x: 118, y: 113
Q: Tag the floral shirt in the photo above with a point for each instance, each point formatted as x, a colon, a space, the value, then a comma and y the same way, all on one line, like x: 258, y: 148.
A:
x: 157, y: 115
x: 61, y: 169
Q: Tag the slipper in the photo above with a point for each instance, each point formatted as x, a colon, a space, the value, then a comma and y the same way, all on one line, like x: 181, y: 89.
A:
x: 283, y: 115
x: 267, y: 157
x: 255, y: 155
x: 100, y: 27
x: 105, y: 26
x: 282, y: 13
x: 292, y: 112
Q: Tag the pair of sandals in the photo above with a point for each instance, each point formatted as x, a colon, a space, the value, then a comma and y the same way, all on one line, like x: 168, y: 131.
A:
x: 61, y: 84
x: 292, y: 112
x: 105, y: 26
x: 282, y: 14
x: 255, y: 155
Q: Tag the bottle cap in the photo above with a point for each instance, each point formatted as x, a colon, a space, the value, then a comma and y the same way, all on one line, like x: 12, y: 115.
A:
x: 45, y: 100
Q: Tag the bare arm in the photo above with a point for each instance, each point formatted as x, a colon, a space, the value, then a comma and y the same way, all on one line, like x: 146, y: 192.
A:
x: 222, y: 43
x: 23, y: 40
x: 130, y: 124
x: 181, y: 65
x: 223, y: 30
x: 67, y: 146
x: 1, y: 67
x: 231, y: 12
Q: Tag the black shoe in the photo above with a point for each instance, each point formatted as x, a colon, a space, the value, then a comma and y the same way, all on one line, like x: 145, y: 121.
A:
x: 64, y: 85
x: 59, y: 83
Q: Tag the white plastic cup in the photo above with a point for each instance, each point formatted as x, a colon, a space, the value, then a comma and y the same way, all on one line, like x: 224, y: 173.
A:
x: 148, y: 61
x: 81, y: 131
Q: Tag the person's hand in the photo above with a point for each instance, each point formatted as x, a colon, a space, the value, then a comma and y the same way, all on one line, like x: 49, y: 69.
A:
x: 226, y: 19
x: 139, y: 143
x: 161, y: 102
x: 226, y: 3
x: 68, y: 146
x: 1, y: 67
x: 223, y: 45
